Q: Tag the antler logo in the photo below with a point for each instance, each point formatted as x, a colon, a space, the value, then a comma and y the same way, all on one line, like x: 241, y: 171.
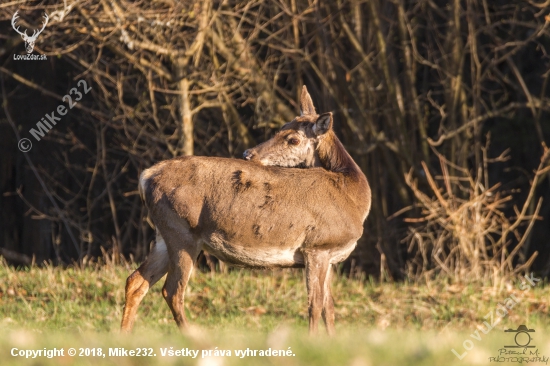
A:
x: 29, y: 41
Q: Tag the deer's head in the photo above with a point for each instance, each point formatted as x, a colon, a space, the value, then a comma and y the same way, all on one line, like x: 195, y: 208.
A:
x: 29, y: 40
x: 298, y: 143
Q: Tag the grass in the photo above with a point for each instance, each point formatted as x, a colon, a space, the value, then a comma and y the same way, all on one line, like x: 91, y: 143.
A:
x: 377, y: 324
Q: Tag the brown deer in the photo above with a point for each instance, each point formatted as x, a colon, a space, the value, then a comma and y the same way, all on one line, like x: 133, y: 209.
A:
x: 256, y: 213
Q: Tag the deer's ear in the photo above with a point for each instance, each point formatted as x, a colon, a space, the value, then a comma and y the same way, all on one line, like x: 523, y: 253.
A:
x: 323, y: 124
x: 306, y: 104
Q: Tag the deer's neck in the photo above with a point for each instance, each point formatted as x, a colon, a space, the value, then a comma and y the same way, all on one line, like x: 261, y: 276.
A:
x: 334, y: 157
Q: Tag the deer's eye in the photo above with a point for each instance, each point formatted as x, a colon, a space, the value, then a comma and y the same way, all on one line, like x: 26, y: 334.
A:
x: 293, y: 141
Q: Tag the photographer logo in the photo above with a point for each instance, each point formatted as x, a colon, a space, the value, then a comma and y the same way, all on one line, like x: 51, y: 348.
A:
x: 522, y: 338
x: 522, y: 351
x: 29, y: 40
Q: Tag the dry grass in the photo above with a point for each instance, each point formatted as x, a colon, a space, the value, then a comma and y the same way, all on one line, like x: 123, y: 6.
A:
x: 91, y: 299
x: 377, y: 323
x: 465, y: 234
x: 56, y: 307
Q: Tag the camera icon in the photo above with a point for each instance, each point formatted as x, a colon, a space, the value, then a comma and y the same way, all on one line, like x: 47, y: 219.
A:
x: 522, y: 338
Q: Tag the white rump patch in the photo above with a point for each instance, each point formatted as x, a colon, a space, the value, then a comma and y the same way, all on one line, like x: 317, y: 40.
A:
x: 160, y: 244
x: 159, y: 253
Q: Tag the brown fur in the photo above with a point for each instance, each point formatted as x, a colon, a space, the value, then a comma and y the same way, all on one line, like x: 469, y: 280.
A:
x: 256, y: 216
x: 232, y: 196
x: 335, y: 158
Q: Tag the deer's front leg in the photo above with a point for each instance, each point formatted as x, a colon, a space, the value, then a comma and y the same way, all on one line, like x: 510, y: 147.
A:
x: 328, y: 304
x: 317, y: 276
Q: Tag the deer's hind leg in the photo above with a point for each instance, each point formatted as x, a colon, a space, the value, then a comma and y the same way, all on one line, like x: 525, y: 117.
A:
x: 184, y: 250
x: 139, y: 282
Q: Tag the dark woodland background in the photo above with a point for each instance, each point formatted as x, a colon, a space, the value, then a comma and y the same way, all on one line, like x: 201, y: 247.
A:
x: 443, y: 104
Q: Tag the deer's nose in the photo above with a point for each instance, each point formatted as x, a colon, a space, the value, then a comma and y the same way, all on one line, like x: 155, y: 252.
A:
x: 247, y: 155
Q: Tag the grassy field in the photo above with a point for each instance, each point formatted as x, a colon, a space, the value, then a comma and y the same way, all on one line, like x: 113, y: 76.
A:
x: 377, y: 324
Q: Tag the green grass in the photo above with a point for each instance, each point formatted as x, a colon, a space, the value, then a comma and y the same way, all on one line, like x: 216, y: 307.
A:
x: 377, y: 324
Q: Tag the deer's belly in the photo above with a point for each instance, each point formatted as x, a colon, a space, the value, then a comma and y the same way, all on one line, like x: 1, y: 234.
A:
x: 268, y: 257
x: 255, y: 257
x: 340, y: 254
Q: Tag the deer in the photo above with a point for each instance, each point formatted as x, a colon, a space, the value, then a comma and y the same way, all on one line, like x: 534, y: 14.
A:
x: 298, y: 200
x: 29, y: 41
